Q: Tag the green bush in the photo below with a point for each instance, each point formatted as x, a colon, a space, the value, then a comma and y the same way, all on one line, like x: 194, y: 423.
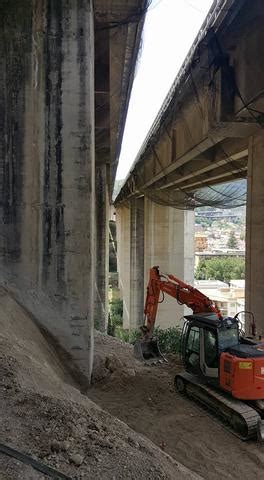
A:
x: 134, y: 335
x: 168, y: 339
x: 115, y: 317
x: 121, y: 333
x: 116, y: 307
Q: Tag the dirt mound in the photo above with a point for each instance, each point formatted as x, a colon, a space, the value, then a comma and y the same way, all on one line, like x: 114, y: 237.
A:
x: 112, y: 356
x: 44, y: 415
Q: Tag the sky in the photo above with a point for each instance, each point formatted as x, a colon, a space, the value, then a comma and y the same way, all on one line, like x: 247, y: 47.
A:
x: 170, y: 29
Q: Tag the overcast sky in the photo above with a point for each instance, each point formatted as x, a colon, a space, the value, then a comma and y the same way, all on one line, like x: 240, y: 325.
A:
x: 170, y: 28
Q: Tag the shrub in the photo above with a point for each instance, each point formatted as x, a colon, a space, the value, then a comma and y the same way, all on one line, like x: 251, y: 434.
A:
x: 168, y: 339
x: 115, y: 317
x: 116, y: 307
x: 121, y: 333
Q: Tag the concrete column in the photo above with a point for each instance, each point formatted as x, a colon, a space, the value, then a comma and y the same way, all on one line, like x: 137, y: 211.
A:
x: 137, y: 287
x: 123, y: 259
x: 169, y: 244
x: 47, y: 168
x: 255, y: 232
x: 102, y: 249
x: 118, y: 217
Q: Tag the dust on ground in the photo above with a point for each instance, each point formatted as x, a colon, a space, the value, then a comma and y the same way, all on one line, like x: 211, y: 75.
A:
x: 145, y: 399
x: 44, y: 415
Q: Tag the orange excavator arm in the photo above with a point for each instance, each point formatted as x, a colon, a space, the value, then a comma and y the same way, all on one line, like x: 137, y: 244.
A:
x: 182, y: 292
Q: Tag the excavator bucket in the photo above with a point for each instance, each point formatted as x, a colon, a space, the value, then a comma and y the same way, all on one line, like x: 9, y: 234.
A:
x: 147, y: 351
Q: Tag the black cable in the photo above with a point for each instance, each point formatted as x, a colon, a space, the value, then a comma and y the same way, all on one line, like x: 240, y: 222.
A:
x: 132, y: 18
x: 223, y: 55
x: 217, y: 162
x: 219, y: 145
x: 193, y: 6
x: 26, y: 459
x: 202, y: 153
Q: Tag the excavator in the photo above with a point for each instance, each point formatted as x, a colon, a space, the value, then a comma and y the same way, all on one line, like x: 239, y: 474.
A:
x: 223, y: 369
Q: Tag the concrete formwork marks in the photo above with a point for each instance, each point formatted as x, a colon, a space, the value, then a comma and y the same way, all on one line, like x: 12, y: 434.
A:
x: 47, y: 162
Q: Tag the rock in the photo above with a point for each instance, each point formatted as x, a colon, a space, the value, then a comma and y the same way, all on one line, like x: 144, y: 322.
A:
x: 112, y: 363
x: 81, y: 420
x: 77, y: 459
x: 55, y: 446
x: 65, y: 445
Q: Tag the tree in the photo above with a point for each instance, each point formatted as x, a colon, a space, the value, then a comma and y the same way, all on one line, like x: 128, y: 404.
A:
x: 224, y: 269
x: 232, y: 241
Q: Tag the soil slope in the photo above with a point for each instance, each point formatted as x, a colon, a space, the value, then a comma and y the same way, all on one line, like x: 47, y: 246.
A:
x: 44, y: 415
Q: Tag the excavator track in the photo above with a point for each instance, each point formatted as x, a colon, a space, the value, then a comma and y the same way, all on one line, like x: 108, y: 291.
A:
x: 238, y: 417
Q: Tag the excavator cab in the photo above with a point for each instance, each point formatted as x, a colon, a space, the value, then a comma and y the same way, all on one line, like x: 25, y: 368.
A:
x: 204, y: 337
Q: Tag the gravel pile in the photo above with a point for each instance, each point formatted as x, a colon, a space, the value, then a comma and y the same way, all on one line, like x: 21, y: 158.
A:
x: 44, y: 415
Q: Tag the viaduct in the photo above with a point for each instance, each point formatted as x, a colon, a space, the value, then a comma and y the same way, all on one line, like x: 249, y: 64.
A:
x: 66, y: 74
x: 209, y: 131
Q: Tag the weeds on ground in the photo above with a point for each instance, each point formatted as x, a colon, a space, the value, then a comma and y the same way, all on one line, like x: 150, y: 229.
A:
x: 168, y: 338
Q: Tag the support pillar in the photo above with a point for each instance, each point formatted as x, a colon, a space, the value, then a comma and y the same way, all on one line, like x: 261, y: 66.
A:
x: 102, y: 249
x: 137, y: 286
x: 123, y: 260
x: 47, y: 202
x: 169, y: 244
x: 255, y: 233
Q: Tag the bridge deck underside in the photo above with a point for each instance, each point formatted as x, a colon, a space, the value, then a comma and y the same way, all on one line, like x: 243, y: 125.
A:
x: 200, y: 137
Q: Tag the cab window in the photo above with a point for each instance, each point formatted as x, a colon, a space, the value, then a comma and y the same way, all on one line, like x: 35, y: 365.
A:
x: 193, y: 349
x: 210, y: 348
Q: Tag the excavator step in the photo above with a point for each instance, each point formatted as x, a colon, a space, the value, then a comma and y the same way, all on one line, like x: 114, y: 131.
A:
x: 237, y: 416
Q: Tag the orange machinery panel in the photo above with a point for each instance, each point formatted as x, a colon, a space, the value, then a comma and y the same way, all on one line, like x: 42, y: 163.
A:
x: 242, y: 377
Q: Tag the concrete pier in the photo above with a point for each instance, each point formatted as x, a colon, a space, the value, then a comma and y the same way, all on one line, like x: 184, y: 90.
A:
x: 47, y: 165
x: 169, y: 244
x: 255, y: 233
x: 124, y: 260
x: 137, y: 285
x: 150, y: 234
x: 102, y: 249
